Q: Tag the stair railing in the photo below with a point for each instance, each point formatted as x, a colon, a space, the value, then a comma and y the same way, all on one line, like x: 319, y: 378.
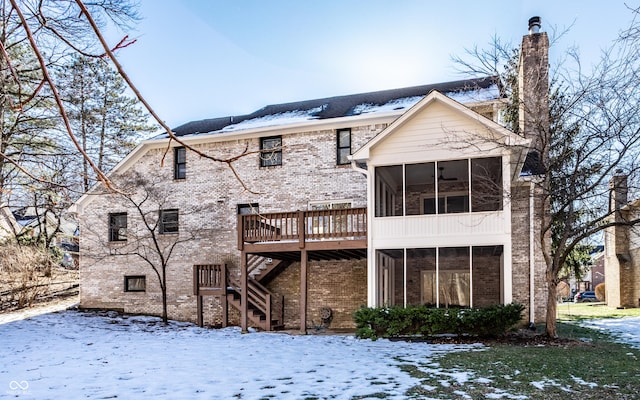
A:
x: 261, y: 299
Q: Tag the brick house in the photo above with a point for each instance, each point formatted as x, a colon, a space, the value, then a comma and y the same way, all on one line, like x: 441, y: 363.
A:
x: 398, y: 197
x: 622, y: 248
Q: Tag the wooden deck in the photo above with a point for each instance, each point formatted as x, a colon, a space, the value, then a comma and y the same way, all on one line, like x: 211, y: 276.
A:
x: 325, y: 234
x: 303, y: 236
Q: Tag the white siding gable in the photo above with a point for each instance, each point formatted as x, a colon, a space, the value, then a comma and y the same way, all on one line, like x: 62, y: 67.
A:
x: 436, y: 132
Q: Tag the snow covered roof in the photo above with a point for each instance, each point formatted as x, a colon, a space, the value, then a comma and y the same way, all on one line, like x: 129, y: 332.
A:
x: 464, y: 91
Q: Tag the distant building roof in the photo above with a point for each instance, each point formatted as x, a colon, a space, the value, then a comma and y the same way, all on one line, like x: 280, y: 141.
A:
x: 464, y: 91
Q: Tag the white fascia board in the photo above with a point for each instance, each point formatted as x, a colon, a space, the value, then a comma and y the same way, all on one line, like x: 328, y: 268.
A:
x: 306, y: 126
x: 510, y: 138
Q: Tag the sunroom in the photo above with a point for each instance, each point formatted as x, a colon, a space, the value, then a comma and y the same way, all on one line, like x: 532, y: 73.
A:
x: 440, y: 221
x: 439, y: 273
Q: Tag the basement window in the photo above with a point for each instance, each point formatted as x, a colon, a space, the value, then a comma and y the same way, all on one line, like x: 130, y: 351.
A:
x: 248, y: 208
x: 135, y: 283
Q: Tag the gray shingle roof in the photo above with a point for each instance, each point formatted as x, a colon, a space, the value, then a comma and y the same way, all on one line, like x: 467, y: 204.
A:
x: 339, y: 106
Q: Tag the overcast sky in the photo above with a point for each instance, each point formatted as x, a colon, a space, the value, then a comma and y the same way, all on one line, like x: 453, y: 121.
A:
x: 197, y: 59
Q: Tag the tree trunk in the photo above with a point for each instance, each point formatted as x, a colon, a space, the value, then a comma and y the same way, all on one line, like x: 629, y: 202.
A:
x: 552, y: 305
x: 165, y: 318
x: 163, y: 287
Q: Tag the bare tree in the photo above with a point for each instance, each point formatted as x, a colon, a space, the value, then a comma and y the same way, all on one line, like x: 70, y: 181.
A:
x: 152, y: 232
x: 593, y: 133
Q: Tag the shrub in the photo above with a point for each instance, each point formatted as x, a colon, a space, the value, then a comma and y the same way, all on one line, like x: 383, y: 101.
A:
x: 26, y: 273
x: 385, y: 322
x: 600, y: 292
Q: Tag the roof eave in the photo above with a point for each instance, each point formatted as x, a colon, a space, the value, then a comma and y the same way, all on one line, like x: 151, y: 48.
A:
x: 511, y: 139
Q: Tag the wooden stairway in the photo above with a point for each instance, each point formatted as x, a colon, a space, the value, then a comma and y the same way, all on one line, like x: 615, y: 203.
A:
x: 264, y: 269
x: 265, y: 309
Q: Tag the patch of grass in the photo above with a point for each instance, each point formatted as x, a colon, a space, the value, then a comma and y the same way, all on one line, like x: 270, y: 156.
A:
x: 377, y: 395
x: 578, y: 311
x: 593, y: 367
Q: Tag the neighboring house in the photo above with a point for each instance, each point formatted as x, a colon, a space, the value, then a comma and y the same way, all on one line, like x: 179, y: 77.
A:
x: 62, y: 232
x: 596, y: 271
x: 398, y: 197
x: 30, y: 222
x: 622, y: 248
x: 8, y: 225
x: 593, y: 274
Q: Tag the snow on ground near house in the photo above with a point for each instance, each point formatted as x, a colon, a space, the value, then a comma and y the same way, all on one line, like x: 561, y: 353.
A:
x: 627, y: 330
x: 73, y: 354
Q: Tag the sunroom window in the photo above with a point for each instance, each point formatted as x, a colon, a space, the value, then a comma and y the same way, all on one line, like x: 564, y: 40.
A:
x: 440, y: 277
x: 439, y: 187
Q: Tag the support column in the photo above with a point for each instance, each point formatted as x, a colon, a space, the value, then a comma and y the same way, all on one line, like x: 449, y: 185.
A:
x: 303, y: 292
x: 200, y: 317
x: 244, y: 305
x: 223, y: 297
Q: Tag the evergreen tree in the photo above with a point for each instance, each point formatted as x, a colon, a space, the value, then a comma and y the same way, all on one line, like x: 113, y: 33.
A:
x: 36, y: 36
x: 108, y: 122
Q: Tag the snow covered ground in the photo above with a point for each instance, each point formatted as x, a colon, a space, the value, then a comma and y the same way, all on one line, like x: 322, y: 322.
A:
x: 72, y: 354
x: 626, y: 330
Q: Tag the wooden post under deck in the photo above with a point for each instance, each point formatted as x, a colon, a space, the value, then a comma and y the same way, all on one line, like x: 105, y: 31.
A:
x: 223, y: 298
x: 303, y: 292
x: 244, y: 298
x: 199, y: 308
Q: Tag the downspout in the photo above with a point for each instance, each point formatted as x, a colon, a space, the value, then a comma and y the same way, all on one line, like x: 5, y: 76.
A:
x: 372, y: 276
x: 531, y: 256
x: 354, y: 166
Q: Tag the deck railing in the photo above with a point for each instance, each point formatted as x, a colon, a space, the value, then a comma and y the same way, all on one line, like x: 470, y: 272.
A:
x: 209, y: 278
x: 303, y: 225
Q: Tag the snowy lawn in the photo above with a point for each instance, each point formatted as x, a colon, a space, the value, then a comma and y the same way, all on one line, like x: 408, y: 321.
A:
x: 625, y: 330
x: 73, y: 354
x: 584, y: 364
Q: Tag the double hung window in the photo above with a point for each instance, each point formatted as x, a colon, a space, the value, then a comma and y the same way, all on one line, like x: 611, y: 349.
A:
x: 168, y: 221
x: 118, y: 227
x: 271, y: 151
x: 179, y: 163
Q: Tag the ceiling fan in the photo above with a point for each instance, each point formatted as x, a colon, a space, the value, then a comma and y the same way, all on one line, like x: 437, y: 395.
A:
x: 441, y: 176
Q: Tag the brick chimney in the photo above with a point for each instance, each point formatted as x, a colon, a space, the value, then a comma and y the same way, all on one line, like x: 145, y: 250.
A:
x: 618, y: 191
x: 619, y: 270
x: 533, y: 85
